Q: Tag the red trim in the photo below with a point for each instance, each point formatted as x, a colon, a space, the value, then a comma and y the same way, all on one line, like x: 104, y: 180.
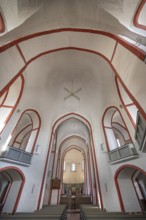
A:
x: 21, y: 54
x: 54, y: 157
x: 65, y: 140
x: 49, y: 148
x: 119, y: 130
x: 108, y: 127
x: 117, y: 185
x: 91, y: 184
x: 141, y: 191
x: 2, y: 24
x: 130, y: 95
x: 39, y: 121
x: 137, y: 14
x: 120, y: 133
x: 4, y: 98
x: 104, y: 130
x: 20, y: 133
x: 136, y: 190
x: 114, y: 122
x: 29, y: 115
x: 114, y: 51
x: 61, y: 160
x: 5, y: 89
x: 7, y: 175
x: 21, y: 187
x: 7, y: 106
x: 130, y: 104
x: 63, y: 156
x: 24, y: 138
x: 97, y: 53
x: 138, y: 52
x: 35, y: 129
x: 90, y: 51
x: 123, y: 103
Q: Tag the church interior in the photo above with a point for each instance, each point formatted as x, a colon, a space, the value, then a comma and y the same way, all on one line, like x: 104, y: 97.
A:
x: 73, y: 109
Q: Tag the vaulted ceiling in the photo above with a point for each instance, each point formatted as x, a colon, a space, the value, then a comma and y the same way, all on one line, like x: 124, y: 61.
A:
x: 66, y: 47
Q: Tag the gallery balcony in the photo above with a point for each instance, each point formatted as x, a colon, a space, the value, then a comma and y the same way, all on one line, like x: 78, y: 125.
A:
x: 123, y: 153
x: 17, y: 156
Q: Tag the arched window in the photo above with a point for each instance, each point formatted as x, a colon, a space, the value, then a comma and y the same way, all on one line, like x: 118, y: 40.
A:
x: 21, y: 143
x: 73, y: 167
x: 82, y: 165
x: 26, y: 131
x: 127, y: 102
x: 64, y: 166
x: 9, y: 99
x: 119, y: 143
x: 115, y: 129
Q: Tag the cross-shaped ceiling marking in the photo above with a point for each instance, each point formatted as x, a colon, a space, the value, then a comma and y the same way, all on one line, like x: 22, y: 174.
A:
x: 72, y: 93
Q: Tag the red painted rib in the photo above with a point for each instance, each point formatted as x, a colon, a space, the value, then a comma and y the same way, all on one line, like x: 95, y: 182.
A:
x: 2, y: 25
x: 137, y: 14
x: 138, y: 52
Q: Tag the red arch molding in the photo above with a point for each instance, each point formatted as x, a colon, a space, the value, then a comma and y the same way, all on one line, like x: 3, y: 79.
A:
x: 68, y: 149
x: 9, y: 186
x: 84, y: 156
x: 136, y: 17
x: 123, y: 103
x: 6, y: 89
x: 138, y: 52
x: 59, y: 148
x: 84, y: 50
x: 107, y: 144
x: 94, y: 166
x: 2, y: 24
x: 136, y: 190
x: 32, y: 122
x: 117, y: 185
x: 22, y: 184
x: 88, y: 160
x: 63, y: 141
x: 58, y: 122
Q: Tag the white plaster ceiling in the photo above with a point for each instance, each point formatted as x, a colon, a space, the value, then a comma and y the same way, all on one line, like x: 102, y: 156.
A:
x: 57, y: 71
x: 29, y: 16
x: 54, y: 72
x: 72, y: 127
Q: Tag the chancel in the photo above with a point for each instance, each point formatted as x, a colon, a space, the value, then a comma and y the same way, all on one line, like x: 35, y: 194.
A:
x: 72, y: 109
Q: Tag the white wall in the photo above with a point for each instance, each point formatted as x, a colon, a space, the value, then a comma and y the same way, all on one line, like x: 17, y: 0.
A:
x: 12, y: 196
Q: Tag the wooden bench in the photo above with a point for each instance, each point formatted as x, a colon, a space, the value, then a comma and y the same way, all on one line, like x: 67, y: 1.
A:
x: 50, y: 212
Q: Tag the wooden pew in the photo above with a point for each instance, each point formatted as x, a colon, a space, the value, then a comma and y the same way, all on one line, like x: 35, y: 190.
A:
x: 51, y: 212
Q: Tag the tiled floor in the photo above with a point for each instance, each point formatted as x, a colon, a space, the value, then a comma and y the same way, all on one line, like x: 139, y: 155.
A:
x: 73, y: 214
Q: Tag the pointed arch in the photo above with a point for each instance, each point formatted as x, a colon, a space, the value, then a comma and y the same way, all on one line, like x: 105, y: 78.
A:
x: 131, y: 169
x: 9, y: 99
x: 55, y: 126
x: 26, y: 131
x: 108, y: 128
x: 15, y: 174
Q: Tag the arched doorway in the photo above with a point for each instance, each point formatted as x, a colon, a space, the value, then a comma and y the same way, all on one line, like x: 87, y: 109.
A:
x: 70, y: 125
x: 73, y: 177
x: 131, y: 184
x: 11, y: 185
